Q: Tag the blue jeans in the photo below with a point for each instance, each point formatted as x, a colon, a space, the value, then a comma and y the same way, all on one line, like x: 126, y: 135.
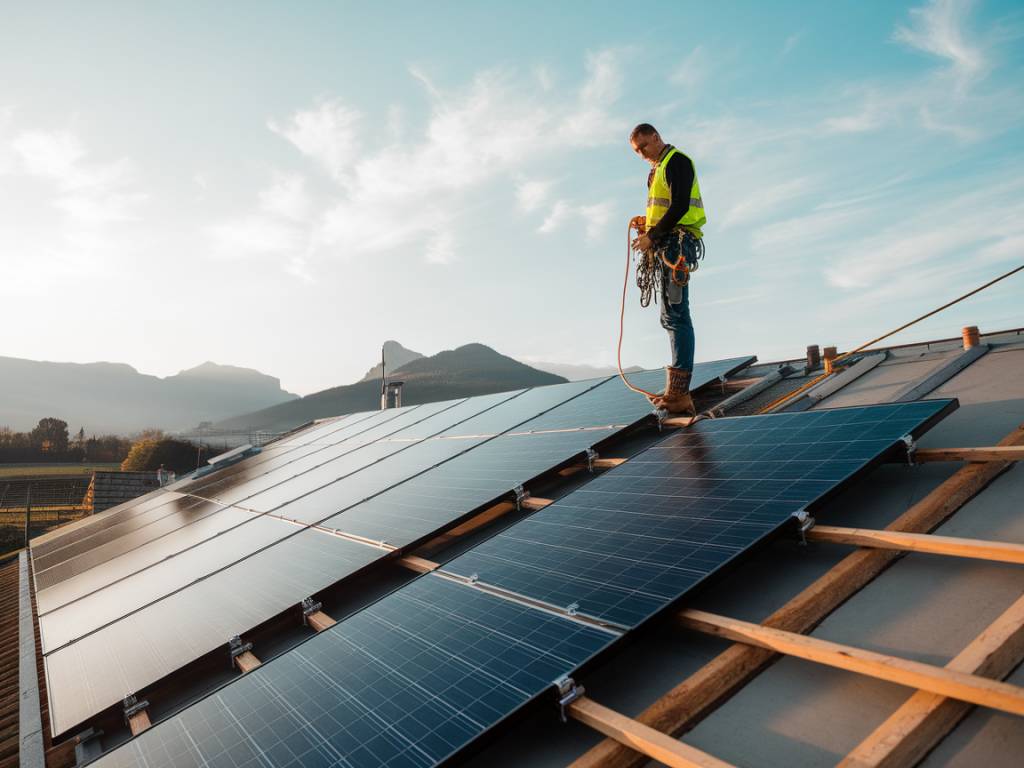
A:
x: 675, y: 311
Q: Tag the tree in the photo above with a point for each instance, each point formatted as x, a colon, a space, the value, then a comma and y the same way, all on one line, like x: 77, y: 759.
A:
x: 147, y: 455
x: 50, y: 435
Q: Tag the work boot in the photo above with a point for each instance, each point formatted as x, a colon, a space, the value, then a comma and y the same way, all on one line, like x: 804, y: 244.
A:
x: 676, y: 399
x: 655, y: 399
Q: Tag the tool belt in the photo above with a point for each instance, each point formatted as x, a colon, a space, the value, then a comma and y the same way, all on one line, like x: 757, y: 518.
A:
x: 680, y: 253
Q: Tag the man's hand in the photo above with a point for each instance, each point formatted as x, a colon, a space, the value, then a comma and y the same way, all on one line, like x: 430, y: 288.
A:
x: 642, y: 243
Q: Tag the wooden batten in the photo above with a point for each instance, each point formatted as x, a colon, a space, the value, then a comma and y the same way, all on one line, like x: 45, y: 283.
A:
x: 139, y: 722
x: 920, y: 542
x: 640, y: 737
x: 678, y: 421
x: 694, y: 698
x: 247, y: 661
x: 913, y: 674
x: 418, y: 564
x: 992, y: 453
x: 925, y: 718
x: 608, y: 463
x: 534, y: 503
x: 477, y: 521
x: 320, y: 621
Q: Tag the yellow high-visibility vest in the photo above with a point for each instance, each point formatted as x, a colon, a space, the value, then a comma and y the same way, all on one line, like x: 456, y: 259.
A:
x: 659, y: 197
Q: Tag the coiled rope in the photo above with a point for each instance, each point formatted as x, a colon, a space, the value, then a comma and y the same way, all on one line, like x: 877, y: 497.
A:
x: 649, y: 279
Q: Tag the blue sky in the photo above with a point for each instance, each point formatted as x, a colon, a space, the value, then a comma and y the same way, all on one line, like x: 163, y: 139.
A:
x: 284, y: 186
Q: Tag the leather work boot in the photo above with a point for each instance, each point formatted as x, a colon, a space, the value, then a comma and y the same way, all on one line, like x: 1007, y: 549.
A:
x: 676, y: 399
x: 655, y: 399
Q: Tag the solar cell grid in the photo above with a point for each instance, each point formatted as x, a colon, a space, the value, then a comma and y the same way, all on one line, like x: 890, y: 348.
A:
x: 96, y: 671
x: 422, y: 504
x: 329, y: 459
x: 636, y: 538
x: 62, y: 536
x: 118, y: 598
x: 113, y: 542
x: 135, y: 560
x: 611, y: 403
x: 407, y: 682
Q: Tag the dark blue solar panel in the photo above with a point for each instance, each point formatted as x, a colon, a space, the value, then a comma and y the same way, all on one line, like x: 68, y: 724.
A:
x: 95, y: 671
x: 404, y: 683
x: 638, y: 537
x: 435, y: 498
x: 612, y: 403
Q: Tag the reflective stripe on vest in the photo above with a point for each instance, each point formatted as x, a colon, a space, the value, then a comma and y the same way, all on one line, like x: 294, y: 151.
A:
x: 659, y: 198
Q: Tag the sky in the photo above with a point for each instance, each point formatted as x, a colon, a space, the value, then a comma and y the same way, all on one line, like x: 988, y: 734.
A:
x: 284, y: 186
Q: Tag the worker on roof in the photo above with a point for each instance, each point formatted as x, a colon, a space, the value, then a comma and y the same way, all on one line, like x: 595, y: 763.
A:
x: 675, y: 215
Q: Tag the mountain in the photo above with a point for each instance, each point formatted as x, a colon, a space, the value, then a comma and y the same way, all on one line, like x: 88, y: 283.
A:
x: 114, y: 397
x: 395, y: 356
x: 580, y: 372
x: 473, y: 369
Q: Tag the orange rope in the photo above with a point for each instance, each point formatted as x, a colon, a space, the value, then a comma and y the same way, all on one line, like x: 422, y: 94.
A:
x: 862, y: 347
x: 622, y: 321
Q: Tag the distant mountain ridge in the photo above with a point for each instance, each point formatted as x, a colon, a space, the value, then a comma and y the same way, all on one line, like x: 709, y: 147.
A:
x: 472, y: 369
x: 116, y: 398
x: 395, y: 356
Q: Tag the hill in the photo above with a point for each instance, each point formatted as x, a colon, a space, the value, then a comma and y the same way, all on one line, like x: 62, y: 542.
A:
x: 473, y: 369
x: 395, y: 356
x: 116, y: 398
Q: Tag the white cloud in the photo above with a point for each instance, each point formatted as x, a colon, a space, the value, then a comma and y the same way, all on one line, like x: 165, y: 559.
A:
x: 558, y: 215
x: 441, y: 248
x: 532, y: 194
x: 90, y: 193
x: 287, y: 197
x: 868, y: 117
x: 497, y: 129
x: 693, y: 70
x: 939, y: 29
x: 791, y: 43
x: 594, y: 218
x: 254, y: 235
x: 765, y: 199
x: 326, y: 133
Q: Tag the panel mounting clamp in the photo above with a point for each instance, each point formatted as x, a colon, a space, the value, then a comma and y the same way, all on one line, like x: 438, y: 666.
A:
x: 804, y: 522
x: 309, y: 607
x: 660, y: 414
x: 236, y: 648
x: 568, y: 692
x: 132, y: 706
x: 911, y: 444
x: 521, y: 495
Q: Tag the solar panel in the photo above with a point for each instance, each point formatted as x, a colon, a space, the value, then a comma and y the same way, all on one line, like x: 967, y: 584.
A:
x: 164, y: 532
x: 96, y: 671
x: 405, y: 683
x: 117, y: 598
x: 307, y: 487
x: 723, y: 484
x: 113, y: 542
x: 612, y: 403
x: 164, y: 548
x: 636, y: 538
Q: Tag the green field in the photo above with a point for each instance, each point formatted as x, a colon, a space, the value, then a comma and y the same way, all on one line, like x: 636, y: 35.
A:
x: 42, y: 470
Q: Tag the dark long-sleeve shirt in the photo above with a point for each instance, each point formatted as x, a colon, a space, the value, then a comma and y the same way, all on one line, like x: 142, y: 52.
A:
x: 679, y: 174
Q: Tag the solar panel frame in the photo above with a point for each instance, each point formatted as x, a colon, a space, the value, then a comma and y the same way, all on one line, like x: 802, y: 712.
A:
x: 557, y: 393
x: 583, y: 664
x: 466, y: 665
x: 625, y: 545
